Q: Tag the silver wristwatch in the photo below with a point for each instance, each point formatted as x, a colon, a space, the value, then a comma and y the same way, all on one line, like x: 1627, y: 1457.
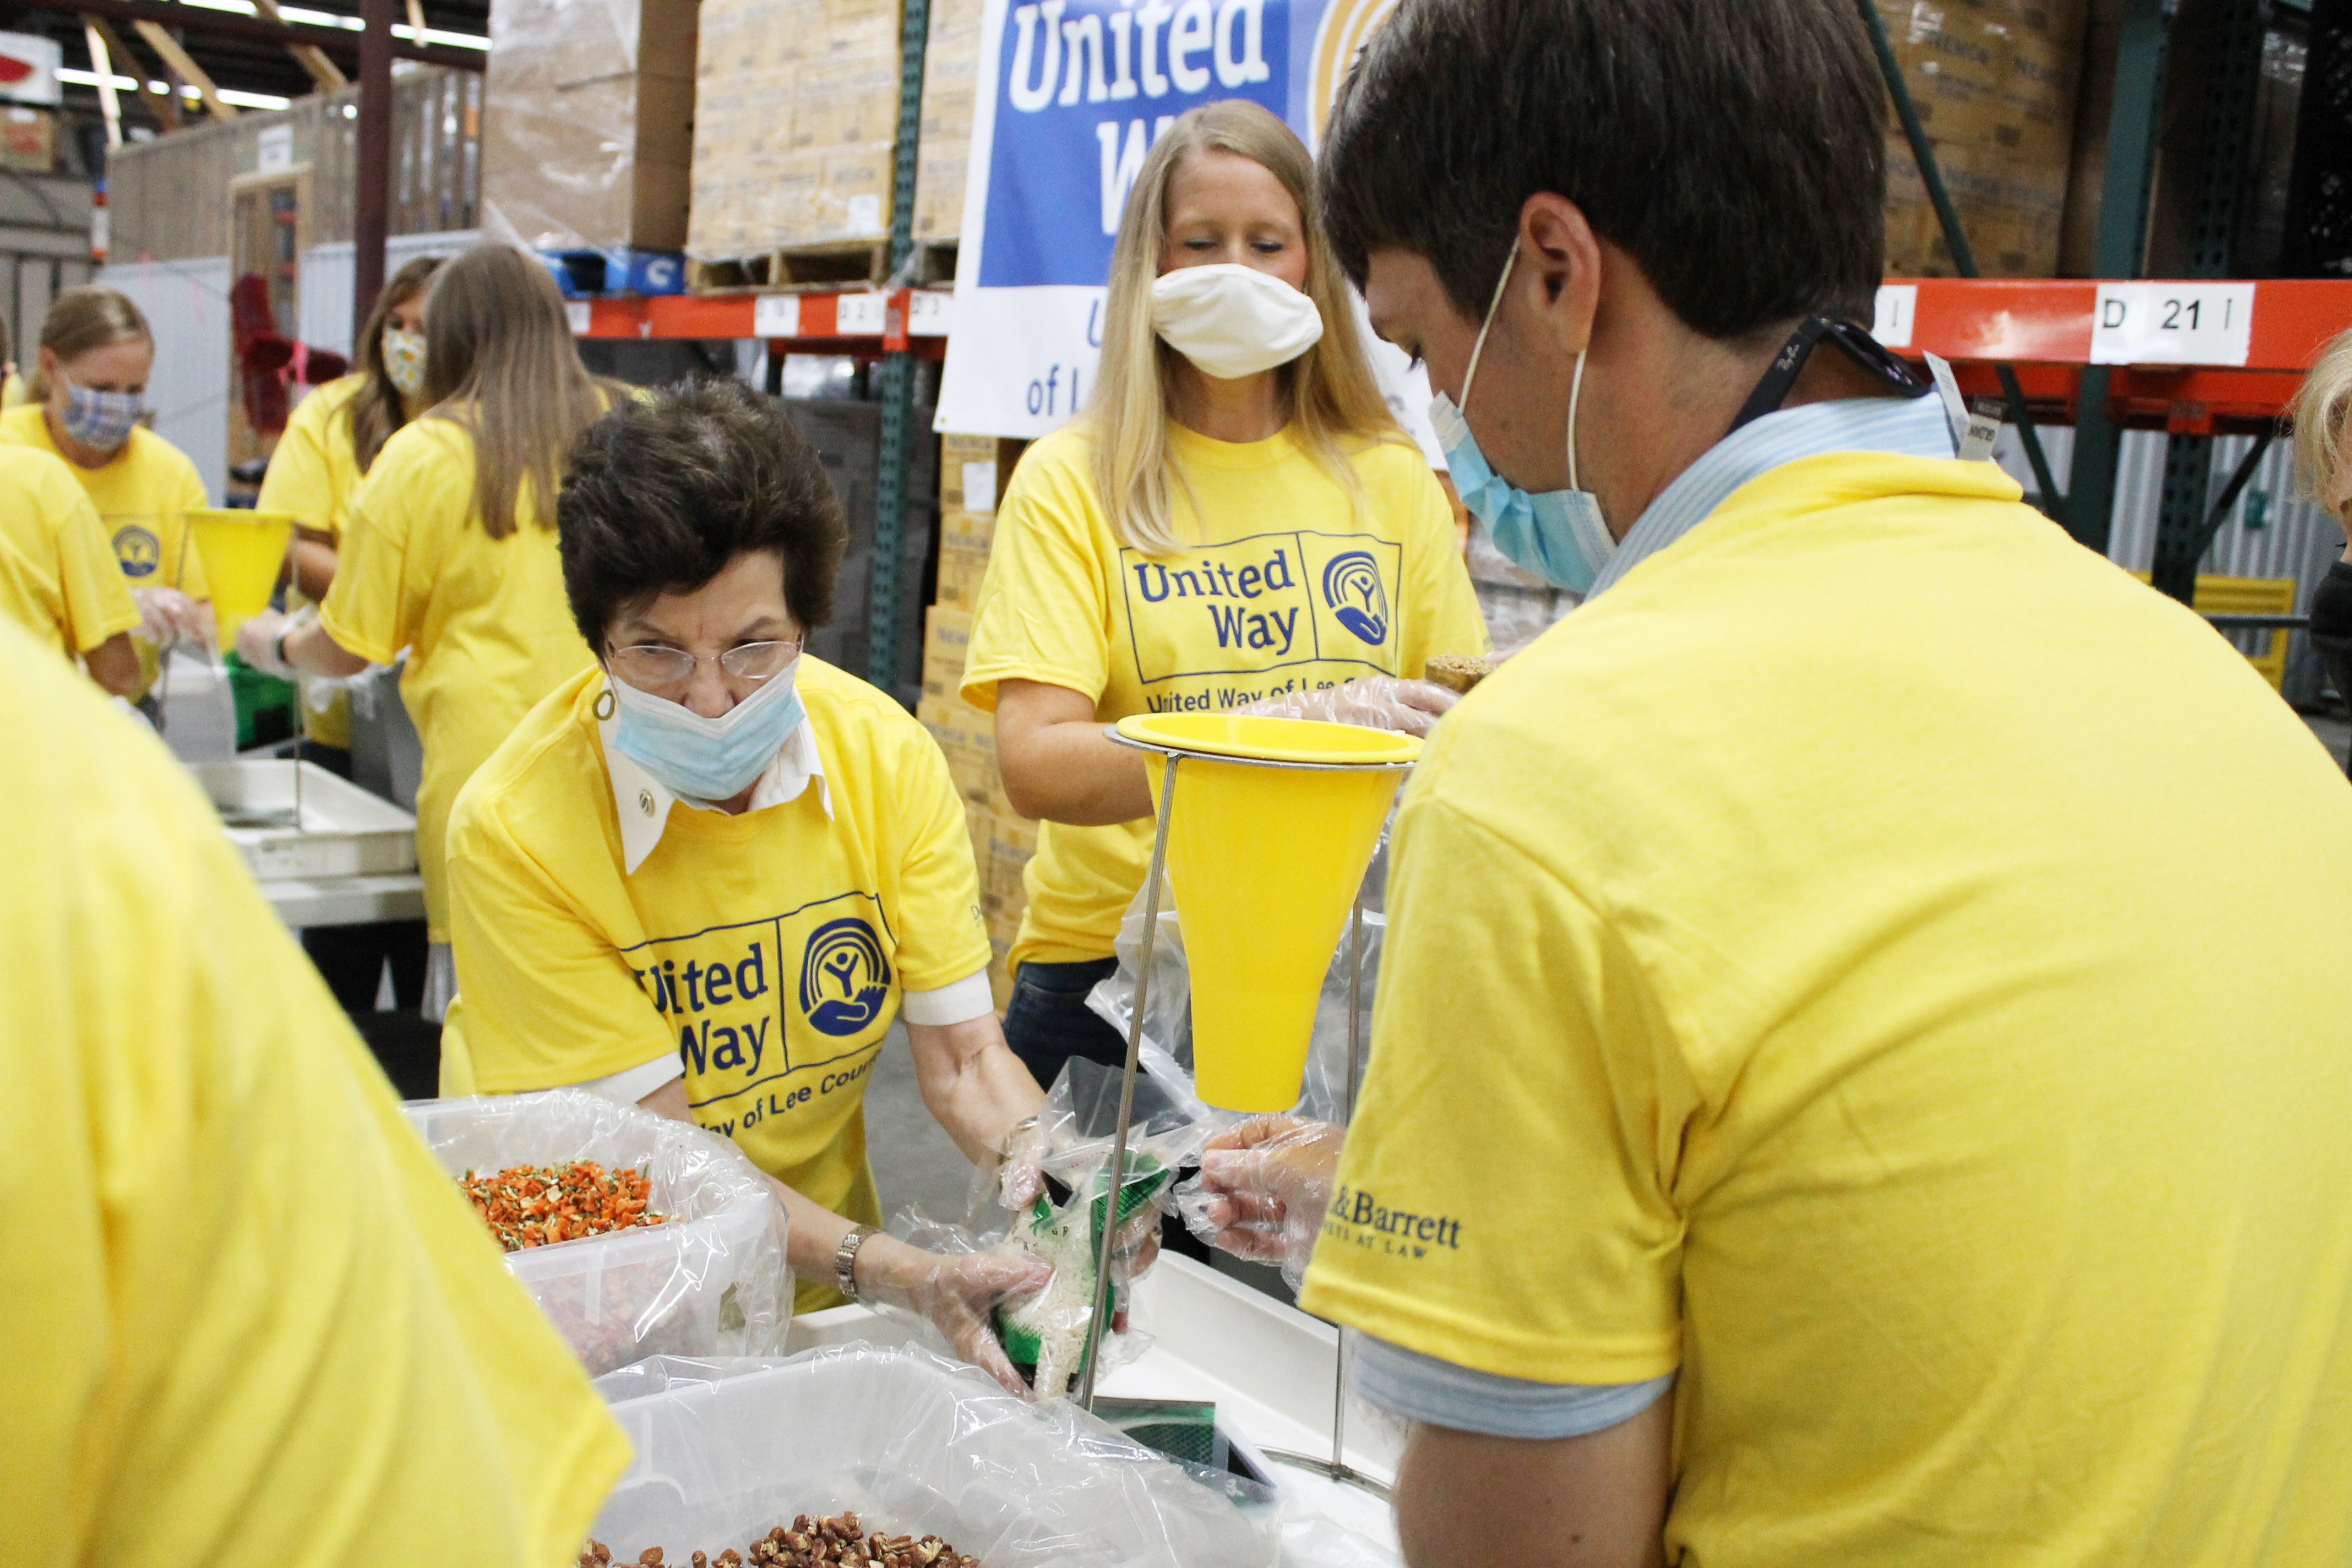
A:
x: 844, y: 1259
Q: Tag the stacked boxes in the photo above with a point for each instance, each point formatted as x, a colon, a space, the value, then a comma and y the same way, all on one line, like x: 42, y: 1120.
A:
x: 584, y: 139
x: 951, y: 85
x: 1994, y: 83
x: 971, y: 468
x: 795, y: 124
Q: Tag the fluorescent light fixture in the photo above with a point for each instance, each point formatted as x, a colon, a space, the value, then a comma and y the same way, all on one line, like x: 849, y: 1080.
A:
x: 228, y: 95
x: 348, y: 23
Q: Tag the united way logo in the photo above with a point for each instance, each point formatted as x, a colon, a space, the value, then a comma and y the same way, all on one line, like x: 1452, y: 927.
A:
x: 1351, y: 586
x: 844, y: 979
x: 138, y: 550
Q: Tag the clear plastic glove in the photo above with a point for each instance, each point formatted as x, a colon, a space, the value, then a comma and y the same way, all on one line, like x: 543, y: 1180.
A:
x: 1263, y: 1188
x: 957, y: 1292
x: 1375, y: 702
x: 256, y: 642
x: 166, y: 616
x: 1020, y: 1165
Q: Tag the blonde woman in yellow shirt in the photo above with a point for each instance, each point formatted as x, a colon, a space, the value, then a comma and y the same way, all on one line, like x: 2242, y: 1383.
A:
x: 450, y: 548
x: 88, y: 399
x: 57, y: 578
x: 1235, y: 523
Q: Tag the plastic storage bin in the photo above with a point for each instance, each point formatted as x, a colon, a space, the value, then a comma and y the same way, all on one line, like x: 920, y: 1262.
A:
x: 711, y: 1282
x: 915, y: 1445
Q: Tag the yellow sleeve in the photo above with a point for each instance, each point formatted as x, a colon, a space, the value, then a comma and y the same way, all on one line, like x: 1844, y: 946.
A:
x: 383, y: 581
x: 546, y: 1000
x: 300, y: 478
x: 250, y: 1321
x: 191, y: 496
x: 943, y: 934
x: 1041, y: 615
x: 1501, y: 1203
x: 1443, y: 614
x: 92, y: 590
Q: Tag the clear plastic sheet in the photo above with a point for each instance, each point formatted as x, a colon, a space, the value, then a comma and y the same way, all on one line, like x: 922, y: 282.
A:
x: 916, y: 1444
x: 1077, y: 1131
x: 711, y: 1281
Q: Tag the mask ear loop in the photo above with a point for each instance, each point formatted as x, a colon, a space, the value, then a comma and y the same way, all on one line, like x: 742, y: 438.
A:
x: 1479, y: 348
x: 1575, y: 390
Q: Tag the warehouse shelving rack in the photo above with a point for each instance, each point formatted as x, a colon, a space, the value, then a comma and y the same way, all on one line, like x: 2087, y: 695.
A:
x: 2034, y: 343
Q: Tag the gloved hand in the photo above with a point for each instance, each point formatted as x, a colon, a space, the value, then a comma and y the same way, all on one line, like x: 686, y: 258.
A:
x: 1263, y: 1188
x: 956, y: 1291
x: 1374, y: 701
x: 1020, y: 1169
x: 256, y: 642
x: 166, y: 616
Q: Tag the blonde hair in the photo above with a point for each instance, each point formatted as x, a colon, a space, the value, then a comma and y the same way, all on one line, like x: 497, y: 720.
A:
x: 2323, y: 425
x: 501, y: 364
x: 82, y: 319
x: 1330, y: 397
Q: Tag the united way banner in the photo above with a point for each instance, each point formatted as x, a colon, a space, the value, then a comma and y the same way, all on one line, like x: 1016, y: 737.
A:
x: 1073, y: 94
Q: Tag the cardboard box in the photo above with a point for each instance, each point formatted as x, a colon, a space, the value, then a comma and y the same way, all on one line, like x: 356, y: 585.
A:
x: 974, y: 470
x: 950, y: 93
x: 947, y: 636
x: 28, y: 139
x: 586, y: 132
x: 961, y: 572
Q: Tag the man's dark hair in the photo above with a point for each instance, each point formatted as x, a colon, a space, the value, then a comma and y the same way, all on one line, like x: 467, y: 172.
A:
x: 1735, y: 148
x: 667, y: 488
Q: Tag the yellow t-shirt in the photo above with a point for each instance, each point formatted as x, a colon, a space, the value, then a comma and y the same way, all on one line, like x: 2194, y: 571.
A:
x: 484, y: 620
x: 1883, y: 961
x: 1292, y: 590
x: 313, y: 472
x: 768, y: 949
x: 248, y: 1318
x: 58, y: 577
x: 140, y: 495
x: 12, y: 391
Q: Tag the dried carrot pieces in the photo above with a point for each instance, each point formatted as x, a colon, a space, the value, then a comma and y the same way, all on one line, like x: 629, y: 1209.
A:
x: 537, y: 1205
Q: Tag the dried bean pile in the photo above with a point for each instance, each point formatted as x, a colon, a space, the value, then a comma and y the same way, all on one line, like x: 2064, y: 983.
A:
x: 811, y: 1543
x: 534, y: 1205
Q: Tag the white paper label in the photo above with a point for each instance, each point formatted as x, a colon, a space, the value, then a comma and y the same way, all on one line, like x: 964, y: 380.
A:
x: 1897, y: 304
x: 274, y: 147
x: 776, y: 316
x: 2173, y: 324
x: 859, y: 315
x: 979, y: 485
x: 865, y: 214
x: 576, y: 313
x: 928, y: 312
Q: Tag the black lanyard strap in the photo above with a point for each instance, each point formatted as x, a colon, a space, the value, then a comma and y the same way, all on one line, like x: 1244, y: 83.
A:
x: 1868, y: 354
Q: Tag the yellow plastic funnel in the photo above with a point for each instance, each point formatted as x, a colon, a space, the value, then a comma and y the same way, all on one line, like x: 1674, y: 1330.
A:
x: 243, y: 551
x: 1264, y: 861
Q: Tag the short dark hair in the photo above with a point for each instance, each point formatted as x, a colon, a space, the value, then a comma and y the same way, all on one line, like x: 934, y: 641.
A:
x: 1735, y: 148
x: 667, y: 488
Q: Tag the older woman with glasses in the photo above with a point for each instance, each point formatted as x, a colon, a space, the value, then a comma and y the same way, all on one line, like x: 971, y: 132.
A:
x: 706, y: 875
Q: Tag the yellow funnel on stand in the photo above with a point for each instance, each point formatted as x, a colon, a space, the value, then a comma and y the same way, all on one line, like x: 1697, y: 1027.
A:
x: 1265, y: 862
x: 243, y: 551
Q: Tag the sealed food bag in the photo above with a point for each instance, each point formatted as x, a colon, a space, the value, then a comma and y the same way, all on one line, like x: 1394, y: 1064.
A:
x: 914, y: 1445
x: 708, y: 1279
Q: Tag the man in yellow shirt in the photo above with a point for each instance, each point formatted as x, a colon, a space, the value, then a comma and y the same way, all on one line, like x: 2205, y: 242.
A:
x: 248, y: 1321
x: 57, y: 578
x: 1861, y: 1065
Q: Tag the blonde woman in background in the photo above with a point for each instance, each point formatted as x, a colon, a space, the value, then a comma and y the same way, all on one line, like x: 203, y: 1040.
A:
x: 2322, y: 429
x: 1235, y: 523
x: 88, y: 401
x: 448, y: 550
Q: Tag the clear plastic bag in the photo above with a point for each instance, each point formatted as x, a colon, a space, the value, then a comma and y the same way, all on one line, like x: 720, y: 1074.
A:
x: 916, y: 1444
x: 1043, y: 1333
x: 710, y: 1281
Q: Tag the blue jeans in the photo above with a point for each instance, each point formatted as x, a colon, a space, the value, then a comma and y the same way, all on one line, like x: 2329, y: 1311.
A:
x: 1049, y: 1021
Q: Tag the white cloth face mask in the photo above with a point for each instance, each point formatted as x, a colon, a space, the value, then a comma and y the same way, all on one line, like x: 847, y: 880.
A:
x: 1234, y: 321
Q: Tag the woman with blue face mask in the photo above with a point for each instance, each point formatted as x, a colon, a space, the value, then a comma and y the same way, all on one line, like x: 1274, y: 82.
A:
x: 87, y: 404
x: 708, y: 874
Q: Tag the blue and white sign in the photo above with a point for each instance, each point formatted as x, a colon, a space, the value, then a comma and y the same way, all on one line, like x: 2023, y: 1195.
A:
x: 1073, y: 93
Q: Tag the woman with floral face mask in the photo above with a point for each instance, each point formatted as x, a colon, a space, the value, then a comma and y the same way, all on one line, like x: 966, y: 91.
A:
x: 87, y: 404
x: 1235, y: 521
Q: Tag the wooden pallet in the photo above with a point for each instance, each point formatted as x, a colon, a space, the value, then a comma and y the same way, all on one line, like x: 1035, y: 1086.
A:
x: 856, y: 263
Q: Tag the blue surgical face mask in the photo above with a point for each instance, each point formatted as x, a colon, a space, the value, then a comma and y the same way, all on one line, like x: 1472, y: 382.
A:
x: 1558, y: 535
x: 706, y: 759
x: 102, y: 421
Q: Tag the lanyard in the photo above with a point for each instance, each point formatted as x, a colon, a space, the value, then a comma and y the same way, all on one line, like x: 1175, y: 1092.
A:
x: 1897, y: 378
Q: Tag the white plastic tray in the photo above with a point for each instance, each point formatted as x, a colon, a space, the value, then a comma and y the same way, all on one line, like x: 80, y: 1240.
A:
x: 345, y: 831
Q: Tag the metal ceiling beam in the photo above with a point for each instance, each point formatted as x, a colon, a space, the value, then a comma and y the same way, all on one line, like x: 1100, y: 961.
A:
x: 230, y: 24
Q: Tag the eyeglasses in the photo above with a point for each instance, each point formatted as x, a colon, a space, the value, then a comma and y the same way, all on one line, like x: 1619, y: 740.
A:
x: 651, y: 667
